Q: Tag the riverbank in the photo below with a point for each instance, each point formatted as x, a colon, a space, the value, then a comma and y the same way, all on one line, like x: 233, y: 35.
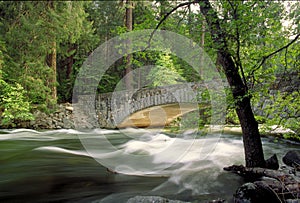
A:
x: 275, y: 131
x: 63, y: 118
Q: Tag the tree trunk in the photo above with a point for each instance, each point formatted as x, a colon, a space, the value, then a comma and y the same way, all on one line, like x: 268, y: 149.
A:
x: 252, y: 143
x: 69, y: 67
x: 70, y: 62
x: 128, y: 68
x: 202, y: 46
x: 51, y: 62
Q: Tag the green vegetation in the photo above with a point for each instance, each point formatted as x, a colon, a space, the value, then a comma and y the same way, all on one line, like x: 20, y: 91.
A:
x: 44, y: 43
x: 13, y: 104
x: 164, y: 73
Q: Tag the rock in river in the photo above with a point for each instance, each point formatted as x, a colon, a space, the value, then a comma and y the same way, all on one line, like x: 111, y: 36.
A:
x: 292, y: 158
x: 255, y: 193
x: 152, y: 199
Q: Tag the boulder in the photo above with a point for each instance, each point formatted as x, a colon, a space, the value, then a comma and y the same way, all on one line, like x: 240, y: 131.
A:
x: 272, y: 163
x: 152, y: 199
x: 217, y: 201
x: 292, y: 158
x: 68, y: 123
x: 272, y: 184
x: 69, y: 108
x: 256, y: 192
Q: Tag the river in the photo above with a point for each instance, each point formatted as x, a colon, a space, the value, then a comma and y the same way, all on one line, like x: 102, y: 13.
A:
x: 111, y: 166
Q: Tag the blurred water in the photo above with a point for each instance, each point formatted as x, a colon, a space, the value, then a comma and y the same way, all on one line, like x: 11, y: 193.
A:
x: 66, y: 165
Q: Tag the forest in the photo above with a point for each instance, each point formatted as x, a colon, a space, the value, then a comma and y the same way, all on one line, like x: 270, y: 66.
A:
x: 43, y: 45
x: 254, y: 46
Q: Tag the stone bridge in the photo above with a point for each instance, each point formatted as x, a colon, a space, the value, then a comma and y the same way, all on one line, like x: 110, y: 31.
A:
x: 146, y: 107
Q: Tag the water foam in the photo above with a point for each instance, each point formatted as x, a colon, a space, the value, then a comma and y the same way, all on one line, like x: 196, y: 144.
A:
x: 62, y: 150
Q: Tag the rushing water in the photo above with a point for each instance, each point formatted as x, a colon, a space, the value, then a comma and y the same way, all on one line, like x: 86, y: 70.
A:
x: 67, y: 165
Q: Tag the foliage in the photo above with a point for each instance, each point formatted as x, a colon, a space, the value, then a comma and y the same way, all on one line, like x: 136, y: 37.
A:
x: 30, y: 30
x: 255, y: 29
x: 35, y: 29
x: 279, y: 99
x: 164, y: 73
x: 13, y: 104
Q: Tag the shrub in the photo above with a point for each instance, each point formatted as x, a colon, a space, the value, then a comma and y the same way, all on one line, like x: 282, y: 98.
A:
x: 13, y: 105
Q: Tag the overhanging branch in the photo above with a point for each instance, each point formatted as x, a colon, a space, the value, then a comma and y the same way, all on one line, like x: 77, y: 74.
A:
x: 264, y: 58
x: 167, y: 15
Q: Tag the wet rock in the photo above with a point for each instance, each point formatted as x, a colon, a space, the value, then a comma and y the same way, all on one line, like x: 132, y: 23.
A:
x: 292, y: 200
x: 62, y: 117
x: 67, y: 123
x: 256, y: 192
x: 272, y: 163
x: 69, y: 108
x: 292, y: 158
x: 152, y: 199
x: 217, y: 201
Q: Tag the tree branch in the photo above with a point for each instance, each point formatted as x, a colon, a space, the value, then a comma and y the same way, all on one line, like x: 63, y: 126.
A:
x: 273, y: 53
x: 167, y: 15
x: 231, y: 5
x: 237, y: 38
x: 184, y: 15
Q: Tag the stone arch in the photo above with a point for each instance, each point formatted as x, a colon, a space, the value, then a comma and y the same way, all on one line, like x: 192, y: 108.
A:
x: 114, y: 108
x: 157, y: 116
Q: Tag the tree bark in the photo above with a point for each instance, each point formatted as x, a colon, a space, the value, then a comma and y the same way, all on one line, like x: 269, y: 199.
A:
x: 251, y: 138
x: 69, y: 67
x: 202, y: 41
x: 51, y: 62
x: 129, y: 26
x: 70, y: 62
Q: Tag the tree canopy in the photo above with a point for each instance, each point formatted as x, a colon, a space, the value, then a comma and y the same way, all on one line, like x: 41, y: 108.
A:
x: 43, y: 45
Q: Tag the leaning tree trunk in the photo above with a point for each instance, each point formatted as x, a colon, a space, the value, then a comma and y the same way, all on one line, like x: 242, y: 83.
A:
x: 252, y: 143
